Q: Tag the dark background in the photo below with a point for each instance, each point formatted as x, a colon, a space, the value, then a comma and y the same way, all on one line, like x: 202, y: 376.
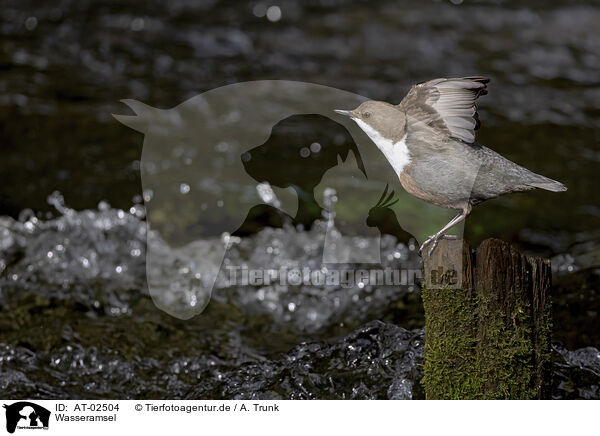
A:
x: 75, y: 315
x: 65, y: 66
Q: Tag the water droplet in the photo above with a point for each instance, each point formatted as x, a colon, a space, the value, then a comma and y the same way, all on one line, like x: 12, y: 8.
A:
x: 266, y: 194
x: 259, y: 10
x: 222, y: 147
x: 148, y: 194
x: 184, y: 188
x: 138, y: 210
x: 137, y: 24
x: 315, y: 147
x: 31, y: 23
x: 274, y: 14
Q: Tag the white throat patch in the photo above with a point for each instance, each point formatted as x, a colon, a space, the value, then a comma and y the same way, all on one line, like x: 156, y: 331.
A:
x: 395, y: 152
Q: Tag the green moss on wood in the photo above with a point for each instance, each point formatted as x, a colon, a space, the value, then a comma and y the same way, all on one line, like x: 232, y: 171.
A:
x: 505, y: 354
x: 487, y: 341
x: 449, y: 344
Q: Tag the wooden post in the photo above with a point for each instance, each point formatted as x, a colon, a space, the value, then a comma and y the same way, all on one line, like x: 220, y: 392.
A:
x: 487, y: 322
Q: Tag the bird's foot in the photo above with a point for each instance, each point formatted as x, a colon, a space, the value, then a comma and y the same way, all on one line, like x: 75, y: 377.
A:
x: 427, y: 241
x: 434, y: 239
x: 449, y: 237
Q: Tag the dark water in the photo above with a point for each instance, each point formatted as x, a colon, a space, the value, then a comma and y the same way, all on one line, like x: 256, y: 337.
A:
x: 77, y: 322
x: 75, y: 316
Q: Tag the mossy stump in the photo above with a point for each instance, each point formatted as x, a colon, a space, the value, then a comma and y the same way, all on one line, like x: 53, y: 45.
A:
x: 487, y: 322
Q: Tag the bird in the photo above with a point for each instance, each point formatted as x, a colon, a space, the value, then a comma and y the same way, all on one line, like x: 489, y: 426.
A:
x: 429, y: 140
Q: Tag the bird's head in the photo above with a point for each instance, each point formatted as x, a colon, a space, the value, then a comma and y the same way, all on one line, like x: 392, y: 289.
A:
x: 384, y: 118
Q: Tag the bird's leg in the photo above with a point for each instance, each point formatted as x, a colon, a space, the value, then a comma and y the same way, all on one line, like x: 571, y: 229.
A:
x: 435, y: 238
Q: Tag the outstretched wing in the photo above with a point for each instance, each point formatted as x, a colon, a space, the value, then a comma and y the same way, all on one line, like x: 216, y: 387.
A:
x: 446, y: 106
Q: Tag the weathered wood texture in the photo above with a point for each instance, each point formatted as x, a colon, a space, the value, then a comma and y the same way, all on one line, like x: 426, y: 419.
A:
x: 487, y: 322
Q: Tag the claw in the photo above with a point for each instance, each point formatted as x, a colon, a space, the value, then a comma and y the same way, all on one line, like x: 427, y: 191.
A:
x: 433, y: 245
x: 458, y: 218
x: 427, y: 241
x: 434, y: 240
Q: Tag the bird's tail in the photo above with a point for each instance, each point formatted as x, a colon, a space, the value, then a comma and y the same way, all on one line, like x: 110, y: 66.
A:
x: 542, y: 182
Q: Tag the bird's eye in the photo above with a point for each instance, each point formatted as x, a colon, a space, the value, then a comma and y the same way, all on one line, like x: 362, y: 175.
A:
x: 366, y: 114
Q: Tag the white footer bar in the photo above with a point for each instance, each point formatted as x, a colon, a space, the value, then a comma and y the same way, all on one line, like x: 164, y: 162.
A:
x: 162, y: 417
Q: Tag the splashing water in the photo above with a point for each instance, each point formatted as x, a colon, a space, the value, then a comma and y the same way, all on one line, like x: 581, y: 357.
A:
x: 82, y: 276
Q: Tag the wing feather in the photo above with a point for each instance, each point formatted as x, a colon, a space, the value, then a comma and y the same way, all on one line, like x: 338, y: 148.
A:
x: 445, y: 106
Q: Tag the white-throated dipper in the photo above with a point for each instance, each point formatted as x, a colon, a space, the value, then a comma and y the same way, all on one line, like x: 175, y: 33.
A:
x: 429, y: 139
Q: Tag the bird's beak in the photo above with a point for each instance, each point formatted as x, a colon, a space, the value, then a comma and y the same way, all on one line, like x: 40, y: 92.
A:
x: 343, y: 112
